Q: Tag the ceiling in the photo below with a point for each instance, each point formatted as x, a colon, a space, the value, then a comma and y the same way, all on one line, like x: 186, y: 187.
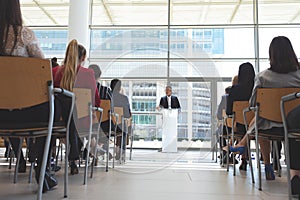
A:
x: 155, y: 12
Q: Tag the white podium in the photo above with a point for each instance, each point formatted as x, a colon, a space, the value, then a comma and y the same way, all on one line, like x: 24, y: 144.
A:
x: 169, y: 130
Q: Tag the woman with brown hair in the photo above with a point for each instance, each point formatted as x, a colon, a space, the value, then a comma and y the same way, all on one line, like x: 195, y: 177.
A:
x: 18, y: 40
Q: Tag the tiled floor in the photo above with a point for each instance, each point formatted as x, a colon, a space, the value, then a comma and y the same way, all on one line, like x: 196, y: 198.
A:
x: 186, y: 175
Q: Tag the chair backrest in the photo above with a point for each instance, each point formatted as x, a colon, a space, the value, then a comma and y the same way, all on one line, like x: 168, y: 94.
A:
x: 24, y: 81
x: 83, y: 98
x: 105, y: 105
x: 228, y: 120
x: 269, y: 99
x: 238, y: 108
x: 119, y: 111
x: 2, y: 144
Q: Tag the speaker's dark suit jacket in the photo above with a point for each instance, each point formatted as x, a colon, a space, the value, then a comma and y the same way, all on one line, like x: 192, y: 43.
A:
x: 174, y: 102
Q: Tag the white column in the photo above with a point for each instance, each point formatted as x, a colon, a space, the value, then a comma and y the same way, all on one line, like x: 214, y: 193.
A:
x: 190, y: 87
x: 79, y: 18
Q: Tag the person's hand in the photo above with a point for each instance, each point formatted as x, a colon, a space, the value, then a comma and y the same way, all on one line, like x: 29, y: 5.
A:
x: 158, y: 108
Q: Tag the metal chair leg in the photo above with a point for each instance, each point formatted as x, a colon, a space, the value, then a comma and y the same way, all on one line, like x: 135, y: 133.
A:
x: 30, y: 172
x: 250, y: 158
x: 108, y: 141
x: 122, y: 142
x: 11, y: 154
x: 66, y: 178
x: 107, y: 152
x: 61, y: 152
x: 258, y: 163
x: 131, y: 140
x: 18, y: 161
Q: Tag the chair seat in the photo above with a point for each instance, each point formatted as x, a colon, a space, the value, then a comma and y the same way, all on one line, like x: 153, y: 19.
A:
x: 275, y: 133
x: 16, y: 129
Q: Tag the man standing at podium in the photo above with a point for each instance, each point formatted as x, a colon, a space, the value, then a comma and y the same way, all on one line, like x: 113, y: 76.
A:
x: 169, y: 134
x: 169, y: 101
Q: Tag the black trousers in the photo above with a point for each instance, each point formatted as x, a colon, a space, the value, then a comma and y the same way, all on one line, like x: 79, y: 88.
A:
x: 28, y: 116
x: 293, y: 121
x: 40, y: 114
x: 74, y: 139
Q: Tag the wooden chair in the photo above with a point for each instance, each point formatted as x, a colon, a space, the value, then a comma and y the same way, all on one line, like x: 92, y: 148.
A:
x: 287, y: 103
x: 268, y: 107
x: 85, y: 113
x: 231, y: 121
x: 29, y: 79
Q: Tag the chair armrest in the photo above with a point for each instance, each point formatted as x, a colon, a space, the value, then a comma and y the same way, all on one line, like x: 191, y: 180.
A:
x: 97, y: 109
x: 290, y: 97
x: 64, y: 92
x: 229, y: 116
x: 115, y: 114
x: 251, y: 108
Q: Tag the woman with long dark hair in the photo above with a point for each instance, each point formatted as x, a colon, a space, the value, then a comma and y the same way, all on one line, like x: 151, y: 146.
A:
x: 15, y: 39
x: 283, y: 66
x: 241, y: 92
x: 18, y: 40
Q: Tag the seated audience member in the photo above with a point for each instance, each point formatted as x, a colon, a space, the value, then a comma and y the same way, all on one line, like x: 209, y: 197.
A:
x: 241, y: 92
x: 18, y: 40
x: 219, y: 115
x: 104, y: 91
x: 120, y: 100
x: 235, y: 80
x: 222, y: 104
x: 54, y: 62
x: 283, y: 66
x: 55, y: 66
x: 73, y: 75
x: 105, y: 94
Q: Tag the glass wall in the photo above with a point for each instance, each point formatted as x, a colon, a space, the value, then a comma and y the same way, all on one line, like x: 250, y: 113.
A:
x: 195, y: 46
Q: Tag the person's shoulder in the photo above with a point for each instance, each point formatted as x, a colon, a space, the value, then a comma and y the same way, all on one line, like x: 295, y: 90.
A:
x: 55, y: 69
x: 123, y: 97
x: 295, y: 73
x: 27, y: 34
x: 85, y: 71
x: 266, y: 73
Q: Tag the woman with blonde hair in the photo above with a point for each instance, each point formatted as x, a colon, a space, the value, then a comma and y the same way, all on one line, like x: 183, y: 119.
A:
x: 72, y: 74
